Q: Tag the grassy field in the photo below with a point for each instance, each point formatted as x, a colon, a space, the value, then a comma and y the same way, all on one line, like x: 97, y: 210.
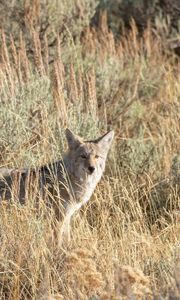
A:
x: 125, y: 242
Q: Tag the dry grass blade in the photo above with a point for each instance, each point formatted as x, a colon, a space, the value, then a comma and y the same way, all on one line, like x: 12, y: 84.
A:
x: 38, y: 53
x: 58, y: 93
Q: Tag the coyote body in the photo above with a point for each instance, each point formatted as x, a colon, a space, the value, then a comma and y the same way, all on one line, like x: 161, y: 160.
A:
x: 66, y: 184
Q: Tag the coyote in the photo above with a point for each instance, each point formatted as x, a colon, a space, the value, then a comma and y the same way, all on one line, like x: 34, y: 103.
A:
x: 66, y: 184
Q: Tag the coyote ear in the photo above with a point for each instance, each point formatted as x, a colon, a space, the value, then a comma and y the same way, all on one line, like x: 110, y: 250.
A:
x: 73, y: 140
x: 105, y: 141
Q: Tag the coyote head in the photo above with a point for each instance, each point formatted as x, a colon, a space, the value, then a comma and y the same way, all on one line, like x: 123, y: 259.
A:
x: 87, y: 158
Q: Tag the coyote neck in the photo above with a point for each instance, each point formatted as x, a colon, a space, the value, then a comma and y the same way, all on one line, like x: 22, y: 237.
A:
x: 83, y: 187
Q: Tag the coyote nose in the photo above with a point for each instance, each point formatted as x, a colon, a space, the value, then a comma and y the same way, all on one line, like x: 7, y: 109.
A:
x: 91, y: 169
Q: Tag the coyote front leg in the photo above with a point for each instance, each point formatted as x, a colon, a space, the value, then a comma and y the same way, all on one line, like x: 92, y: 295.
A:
x: 65, y: 227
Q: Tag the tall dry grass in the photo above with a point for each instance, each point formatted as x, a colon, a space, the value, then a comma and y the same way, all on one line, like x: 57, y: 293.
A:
x: 125, y: 242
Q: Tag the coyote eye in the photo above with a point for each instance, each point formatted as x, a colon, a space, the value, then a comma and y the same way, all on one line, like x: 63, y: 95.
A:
x: 83, y: 156
x: 96, y: 156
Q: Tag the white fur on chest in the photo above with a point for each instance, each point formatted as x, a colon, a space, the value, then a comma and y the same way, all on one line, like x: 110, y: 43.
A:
x: 85, y: 193
x: 83, y: 196
x: 89, y: 188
